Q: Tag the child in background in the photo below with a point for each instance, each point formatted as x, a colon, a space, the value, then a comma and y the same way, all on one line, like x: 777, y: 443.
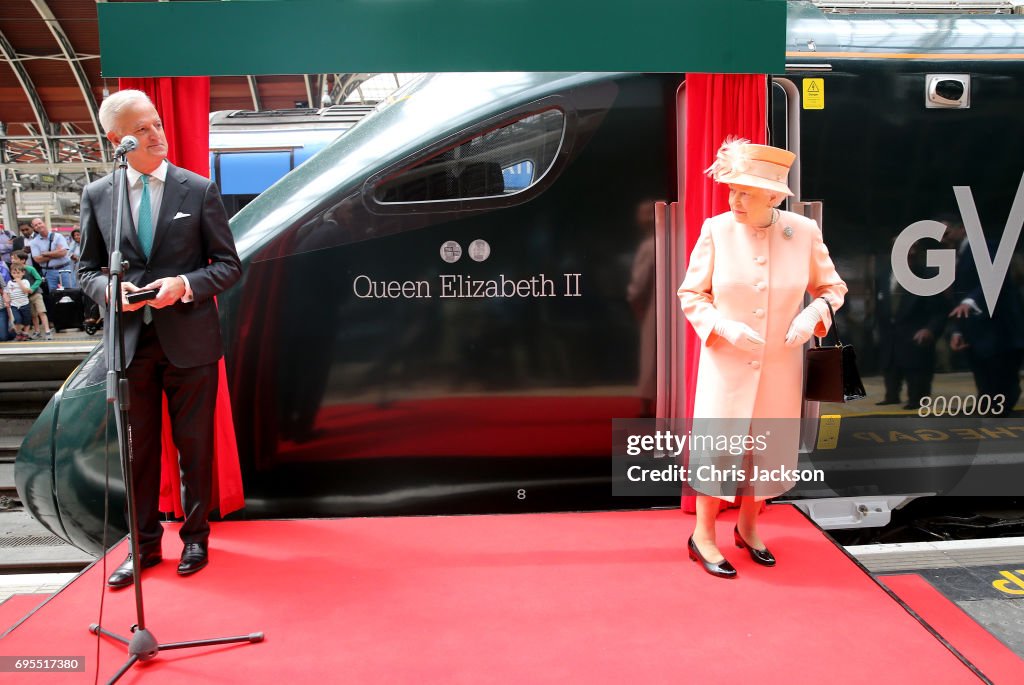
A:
x: 16, y: 294
x: 36, y: 297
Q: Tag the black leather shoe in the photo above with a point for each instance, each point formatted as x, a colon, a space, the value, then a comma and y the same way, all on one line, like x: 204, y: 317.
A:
x: 193, y: 558
x: 761, y: 556
x: 124, y: 575
x: 723, y: 569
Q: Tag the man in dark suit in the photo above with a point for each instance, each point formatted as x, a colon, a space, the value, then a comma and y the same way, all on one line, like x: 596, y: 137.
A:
x: 990, y: 334
x: 176, y: 239
x: 908, y: 327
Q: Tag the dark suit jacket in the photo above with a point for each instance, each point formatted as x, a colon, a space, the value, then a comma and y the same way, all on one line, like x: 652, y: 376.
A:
x: 897, y: 324
x: 988, y: 335
x: 192, y: 238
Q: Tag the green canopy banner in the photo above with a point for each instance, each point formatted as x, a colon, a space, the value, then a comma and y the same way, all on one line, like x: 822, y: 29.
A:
x: 325, y: 36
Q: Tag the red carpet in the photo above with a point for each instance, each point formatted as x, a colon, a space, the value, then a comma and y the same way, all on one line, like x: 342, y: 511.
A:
x: 16, y: 607
x: 554, y: 598
x: 980, y: 647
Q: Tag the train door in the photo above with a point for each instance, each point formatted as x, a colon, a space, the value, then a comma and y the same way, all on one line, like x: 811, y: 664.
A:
x: 784, y: 127
x: 890, y: 178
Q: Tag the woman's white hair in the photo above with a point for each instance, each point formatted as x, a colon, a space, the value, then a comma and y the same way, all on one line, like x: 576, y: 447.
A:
x: 113, y: 105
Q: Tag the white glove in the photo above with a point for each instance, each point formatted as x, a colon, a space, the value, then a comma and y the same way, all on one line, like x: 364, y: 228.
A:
x: 802, y: 328
x: 739, y: 334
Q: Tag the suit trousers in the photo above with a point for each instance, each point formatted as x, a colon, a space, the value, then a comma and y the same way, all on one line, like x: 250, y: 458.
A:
x: 191, y: 397
x: 997, y: 374
x: 919, y: 383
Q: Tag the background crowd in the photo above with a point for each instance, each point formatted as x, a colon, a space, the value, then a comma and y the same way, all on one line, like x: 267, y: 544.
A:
x: 37, y: 264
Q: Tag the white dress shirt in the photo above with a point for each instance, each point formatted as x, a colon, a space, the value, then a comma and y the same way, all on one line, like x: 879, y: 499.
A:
x: 156, y: 191
x: 969, y: 301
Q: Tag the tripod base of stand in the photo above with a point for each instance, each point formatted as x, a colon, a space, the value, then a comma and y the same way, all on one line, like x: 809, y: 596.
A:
x: 144, y: 646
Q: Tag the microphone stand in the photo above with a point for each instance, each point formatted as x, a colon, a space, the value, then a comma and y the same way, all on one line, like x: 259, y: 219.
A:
x: 143, y: 645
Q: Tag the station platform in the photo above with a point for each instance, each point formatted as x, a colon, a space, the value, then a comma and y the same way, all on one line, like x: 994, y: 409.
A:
x: 596, y: 597
x: 971, y: 591
x: 45, y: 360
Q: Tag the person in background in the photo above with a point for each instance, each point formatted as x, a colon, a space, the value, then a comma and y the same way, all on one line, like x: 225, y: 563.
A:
x: 74, y: 254
x: 908, y: 325
x: 36, y: 297
x: 990, y: 334
x: 50, y: 254
x: 6, y: 316
x: 640, y: 293
x: 22, y: 240
x: 6, y: 245
x: 743, y: 292
x: 16, y: 298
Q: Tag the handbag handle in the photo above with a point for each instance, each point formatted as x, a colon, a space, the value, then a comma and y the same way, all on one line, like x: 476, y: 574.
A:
x: 833, y: 329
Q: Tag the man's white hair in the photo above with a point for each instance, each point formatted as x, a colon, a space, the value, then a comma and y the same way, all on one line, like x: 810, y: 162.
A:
x: 115, y: 103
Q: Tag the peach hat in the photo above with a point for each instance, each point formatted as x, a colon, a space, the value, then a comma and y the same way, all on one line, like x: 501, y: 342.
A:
x: 744, y: 163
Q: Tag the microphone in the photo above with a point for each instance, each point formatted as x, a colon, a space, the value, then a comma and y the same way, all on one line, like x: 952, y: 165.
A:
x: 128, y: 143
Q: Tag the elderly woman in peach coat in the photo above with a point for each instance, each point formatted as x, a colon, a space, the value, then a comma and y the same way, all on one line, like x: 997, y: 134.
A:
x: 744, y: 294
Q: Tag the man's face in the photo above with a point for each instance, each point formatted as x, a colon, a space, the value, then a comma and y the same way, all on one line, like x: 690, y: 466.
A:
x: 141, y: 120
x: 26, y: 230
x: 40, y: 227
x: 76, y: 235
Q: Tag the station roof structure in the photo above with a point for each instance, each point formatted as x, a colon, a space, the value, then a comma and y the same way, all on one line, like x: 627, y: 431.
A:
x: 51, y: 86
x: 51, y: 81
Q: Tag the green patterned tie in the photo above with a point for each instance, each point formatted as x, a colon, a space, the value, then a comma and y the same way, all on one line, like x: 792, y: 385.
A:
x: 145, y: 231
x: 145, y: 227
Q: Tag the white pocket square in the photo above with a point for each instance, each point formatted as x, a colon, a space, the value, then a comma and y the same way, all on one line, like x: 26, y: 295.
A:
x: 180, y: 215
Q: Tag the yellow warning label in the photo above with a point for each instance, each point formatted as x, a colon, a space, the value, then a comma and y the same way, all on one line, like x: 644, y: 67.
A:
x: 814, y: 93
x: 828, y: 431
x: 1008, y: 577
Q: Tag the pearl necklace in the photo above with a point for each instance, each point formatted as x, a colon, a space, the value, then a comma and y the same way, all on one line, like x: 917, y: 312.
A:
x: 775, y: 218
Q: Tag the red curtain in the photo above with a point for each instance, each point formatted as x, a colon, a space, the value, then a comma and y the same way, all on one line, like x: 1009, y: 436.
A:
x: 184, y: 106
x: 717, y: 106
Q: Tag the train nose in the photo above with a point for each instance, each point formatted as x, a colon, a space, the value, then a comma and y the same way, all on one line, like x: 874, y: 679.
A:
x: 61, y: 469
x: 33, y: 472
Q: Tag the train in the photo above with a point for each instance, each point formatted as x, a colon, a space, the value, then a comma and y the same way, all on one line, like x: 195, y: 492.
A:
x: 439, y: 311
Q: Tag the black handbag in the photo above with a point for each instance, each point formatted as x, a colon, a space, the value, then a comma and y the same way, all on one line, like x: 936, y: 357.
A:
x: 831, y: 371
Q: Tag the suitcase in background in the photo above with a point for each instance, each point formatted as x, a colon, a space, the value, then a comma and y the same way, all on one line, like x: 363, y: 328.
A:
x: 66, y: 309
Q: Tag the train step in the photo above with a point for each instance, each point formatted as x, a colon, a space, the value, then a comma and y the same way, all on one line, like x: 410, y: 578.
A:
x: 9, y: 445
x: 8, y: 493
x: 27, y: 547
x: 13, y: 431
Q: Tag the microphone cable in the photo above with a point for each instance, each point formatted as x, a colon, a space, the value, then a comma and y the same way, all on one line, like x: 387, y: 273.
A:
x: 103, y: 540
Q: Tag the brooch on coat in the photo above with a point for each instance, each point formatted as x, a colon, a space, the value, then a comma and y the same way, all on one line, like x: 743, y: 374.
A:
x: 787, y: 233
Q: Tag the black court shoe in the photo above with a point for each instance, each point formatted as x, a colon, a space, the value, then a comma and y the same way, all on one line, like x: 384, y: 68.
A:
x: 761, y: 556
x: 722, y: 569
